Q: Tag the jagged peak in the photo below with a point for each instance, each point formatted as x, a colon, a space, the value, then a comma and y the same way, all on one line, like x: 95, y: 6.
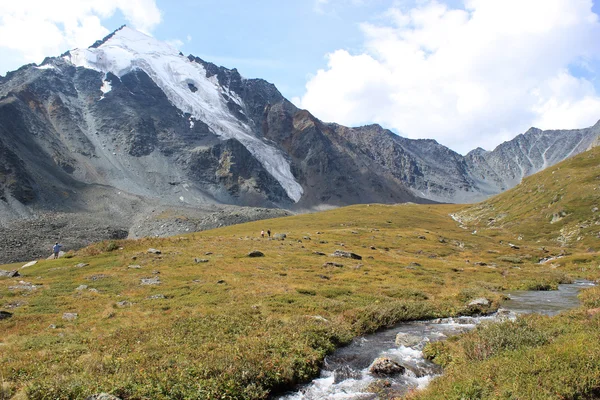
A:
x: 99, y: 43
x: 477, y: 152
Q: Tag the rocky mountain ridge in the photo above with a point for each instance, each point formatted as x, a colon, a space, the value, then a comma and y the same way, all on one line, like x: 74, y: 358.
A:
x: 130, y: 124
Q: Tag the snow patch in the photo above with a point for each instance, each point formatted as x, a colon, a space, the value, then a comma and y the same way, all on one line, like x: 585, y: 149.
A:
x: 47, y: 66
x: 129, y: 49
x: 105, y: 88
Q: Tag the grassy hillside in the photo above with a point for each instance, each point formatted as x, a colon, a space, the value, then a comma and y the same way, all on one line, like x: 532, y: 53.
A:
x: 535, y: 357
x: 559, y: 206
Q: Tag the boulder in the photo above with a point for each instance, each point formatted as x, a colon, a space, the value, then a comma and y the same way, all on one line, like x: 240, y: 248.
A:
x: 157, y: 296
x: 332, y: 264
x: 154, y: 251
x: 23, y: 286
x: 279, y: 236
x: 9, y: 274
x: 5, y: 315
x: 124, y: 304
x: 407, y: 339
x: 30, y: 263
x: 346, y: 254
x: 81, y: 265
x: 81, y: 287
x: 14, y: 304
x: 134, y: 266
x: 480, y: 302
x: 384, y: 366
x: 256, y: 253
x: 319, y: 253
x: 68, y: 316
x: 150, y: 281
x: 200, y: 260
x: 345, y: 372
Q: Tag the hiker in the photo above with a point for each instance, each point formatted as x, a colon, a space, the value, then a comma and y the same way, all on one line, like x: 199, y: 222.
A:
x: 262, y: 234
x: 269, y: 232
x: 56, y: 249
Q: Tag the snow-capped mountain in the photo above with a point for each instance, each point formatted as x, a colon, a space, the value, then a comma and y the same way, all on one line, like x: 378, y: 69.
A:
x: 131, y: 123
x: 190, y: 89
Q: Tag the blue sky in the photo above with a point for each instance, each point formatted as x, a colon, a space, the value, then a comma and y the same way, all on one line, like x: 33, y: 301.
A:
x: 283, y: 42
x: 466, y: 73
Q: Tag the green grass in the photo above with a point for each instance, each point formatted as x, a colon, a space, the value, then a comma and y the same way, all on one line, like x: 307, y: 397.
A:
x: 535, y: 357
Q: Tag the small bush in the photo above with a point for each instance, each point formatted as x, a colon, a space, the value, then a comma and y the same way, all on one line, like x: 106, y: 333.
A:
x: 491, y: 339
x: 512, y: 260
x: 406, y: 294
x: 308, y: 292
x: 112, y: 246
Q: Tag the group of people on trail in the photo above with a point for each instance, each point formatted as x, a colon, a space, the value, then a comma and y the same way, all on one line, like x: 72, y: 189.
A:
x: 262, y: 233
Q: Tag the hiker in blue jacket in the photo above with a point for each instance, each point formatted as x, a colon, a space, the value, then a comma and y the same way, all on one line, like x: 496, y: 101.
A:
x: 56, y: 249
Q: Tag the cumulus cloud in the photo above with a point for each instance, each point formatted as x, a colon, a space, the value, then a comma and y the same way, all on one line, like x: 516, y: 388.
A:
x: 468, y: 77
x: 33, y: 29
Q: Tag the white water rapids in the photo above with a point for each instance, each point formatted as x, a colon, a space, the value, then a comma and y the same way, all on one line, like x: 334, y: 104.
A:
x: 345, y: 374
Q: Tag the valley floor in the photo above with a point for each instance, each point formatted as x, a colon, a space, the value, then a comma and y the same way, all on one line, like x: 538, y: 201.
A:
x: 202, y: 319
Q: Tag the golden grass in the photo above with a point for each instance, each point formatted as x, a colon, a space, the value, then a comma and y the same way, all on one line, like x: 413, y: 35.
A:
x: 240, y: 327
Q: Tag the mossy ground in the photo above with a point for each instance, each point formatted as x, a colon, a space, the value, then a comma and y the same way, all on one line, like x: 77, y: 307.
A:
x: 240, y: 327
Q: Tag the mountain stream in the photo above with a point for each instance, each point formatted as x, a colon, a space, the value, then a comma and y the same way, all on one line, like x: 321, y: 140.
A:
x: 345, y: 374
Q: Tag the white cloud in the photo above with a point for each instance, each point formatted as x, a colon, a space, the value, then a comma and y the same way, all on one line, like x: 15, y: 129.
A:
x: 38, y: 28
x: 467, y: 77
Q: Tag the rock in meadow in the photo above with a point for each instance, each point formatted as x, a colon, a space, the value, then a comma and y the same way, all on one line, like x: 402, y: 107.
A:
x: 256, y: 253
x: 24, y: 286
x: 200, y: 260
x: 332, y: 264
x: 29, y: 264
x: 346, y: 254
x: 150, y: 281
x: 154, y: 251
x: 68, y: 316
x: 279, y: 236
x: 5, y: 315
x: 9, y: 274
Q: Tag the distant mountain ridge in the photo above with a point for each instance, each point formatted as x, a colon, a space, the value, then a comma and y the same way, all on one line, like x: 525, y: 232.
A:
x: 131, y: 117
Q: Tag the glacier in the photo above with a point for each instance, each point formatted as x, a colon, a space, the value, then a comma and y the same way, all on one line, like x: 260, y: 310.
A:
x: 129, y: 49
